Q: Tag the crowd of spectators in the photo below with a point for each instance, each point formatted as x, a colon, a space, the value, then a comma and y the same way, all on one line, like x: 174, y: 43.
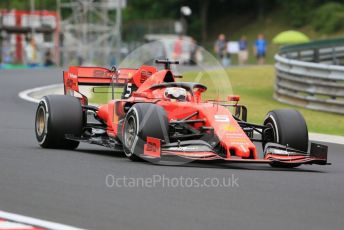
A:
x: 224, y: 49
x: 33, y: 55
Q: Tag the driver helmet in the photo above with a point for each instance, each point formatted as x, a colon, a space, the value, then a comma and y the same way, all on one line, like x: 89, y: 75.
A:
x: 176, y: 93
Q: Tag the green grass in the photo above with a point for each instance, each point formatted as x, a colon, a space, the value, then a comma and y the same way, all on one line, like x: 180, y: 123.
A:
x: 255, y: 87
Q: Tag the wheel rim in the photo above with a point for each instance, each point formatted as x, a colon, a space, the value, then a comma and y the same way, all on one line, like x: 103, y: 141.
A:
x: 272, y: 136
x: 130, y: 132
x: 40, y: 121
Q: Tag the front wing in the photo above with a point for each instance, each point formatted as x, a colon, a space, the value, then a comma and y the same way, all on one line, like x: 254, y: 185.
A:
x: 274, y: 154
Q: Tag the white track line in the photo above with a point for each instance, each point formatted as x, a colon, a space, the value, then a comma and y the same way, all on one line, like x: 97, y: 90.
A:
x: 35, y: 222
x: 326, y: 138
x: 25, y: 95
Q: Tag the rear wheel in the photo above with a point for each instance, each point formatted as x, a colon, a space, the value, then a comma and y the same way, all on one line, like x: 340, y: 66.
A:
x: 143, y: 120
x: 56, y: 116
x: 286, y: 127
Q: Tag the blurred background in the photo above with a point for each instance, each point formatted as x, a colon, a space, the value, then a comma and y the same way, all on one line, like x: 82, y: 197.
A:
x: 276, y: 53
x: 65, y: 32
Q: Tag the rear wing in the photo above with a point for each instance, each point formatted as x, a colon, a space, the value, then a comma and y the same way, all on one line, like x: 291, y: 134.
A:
x: 80, y: 75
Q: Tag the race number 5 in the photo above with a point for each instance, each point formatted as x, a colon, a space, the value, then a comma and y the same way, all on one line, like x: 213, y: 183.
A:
x: 128, y: 90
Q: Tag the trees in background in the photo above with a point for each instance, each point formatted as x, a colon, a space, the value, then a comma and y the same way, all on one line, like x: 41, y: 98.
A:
x: 324, y: 16
x: 329, y: 17
x: 25, y: 4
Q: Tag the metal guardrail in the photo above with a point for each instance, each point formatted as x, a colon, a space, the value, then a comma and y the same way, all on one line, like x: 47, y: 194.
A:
x: 310, y: 75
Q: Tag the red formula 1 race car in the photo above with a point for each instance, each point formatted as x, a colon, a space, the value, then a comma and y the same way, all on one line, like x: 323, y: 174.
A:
x: 157, y: 117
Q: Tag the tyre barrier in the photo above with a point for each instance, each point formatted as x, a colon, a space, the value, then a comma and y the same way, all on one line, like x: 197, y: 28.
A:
x: 310, y: 75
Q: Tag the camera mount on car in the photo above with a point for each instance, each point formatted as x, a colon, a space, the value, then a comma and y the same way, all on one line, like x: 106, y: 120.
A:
x: 167, y: 63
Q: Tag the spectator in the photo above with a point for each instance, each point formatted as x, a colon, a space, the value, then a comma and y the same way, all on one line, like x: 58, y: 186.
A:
x: 48, y: 59
x: 243, y: 51
x: 7, y: 54
x: 32, y: 53
x: 79, y: 55
x: 220, y: 49
x: 260, y: 49
x: 178, y: 48
x: 193, y: 52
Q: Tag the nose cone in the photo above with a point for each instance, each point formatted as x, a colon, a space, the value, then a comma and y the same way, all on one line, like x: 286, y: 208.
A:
x: 241, y: 150
x: 231, y: 136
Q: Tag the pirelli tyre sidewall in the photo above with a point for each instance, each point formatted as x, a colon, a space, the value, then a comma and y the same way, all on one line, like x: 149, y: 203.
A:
x: 56, y: 116
x: 289, y: 128
x: 143, y: 120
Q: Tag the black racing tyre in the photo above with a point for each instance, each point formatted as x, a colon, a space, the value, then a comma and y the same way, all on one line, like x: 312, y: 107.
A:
x: 287, y: 127
x: 56, y: 116
x: 143, y: 120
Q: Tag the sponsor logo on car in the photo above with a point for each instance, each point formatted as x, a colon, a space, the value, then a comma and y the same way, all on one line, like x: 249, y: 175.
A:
x: 71, y: 75
x: 229, y: 128
x: 221, y: 118
x: 183, y: 148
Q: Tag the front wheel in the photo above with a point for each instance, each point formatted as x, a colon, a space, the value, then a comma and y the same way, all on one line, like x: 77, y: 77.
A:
x: 286, y: 127
x: 143, y: 120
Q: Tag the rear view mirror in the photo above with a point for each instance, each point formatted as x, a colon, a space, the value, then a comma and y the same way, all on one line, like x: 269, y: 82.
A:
x: 233, y: 98
x: 241, y: 112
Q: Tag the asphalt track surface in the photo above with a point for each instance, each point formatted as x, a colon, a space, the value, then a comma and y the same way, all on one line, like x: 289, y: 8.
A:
x: 69, y: 186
